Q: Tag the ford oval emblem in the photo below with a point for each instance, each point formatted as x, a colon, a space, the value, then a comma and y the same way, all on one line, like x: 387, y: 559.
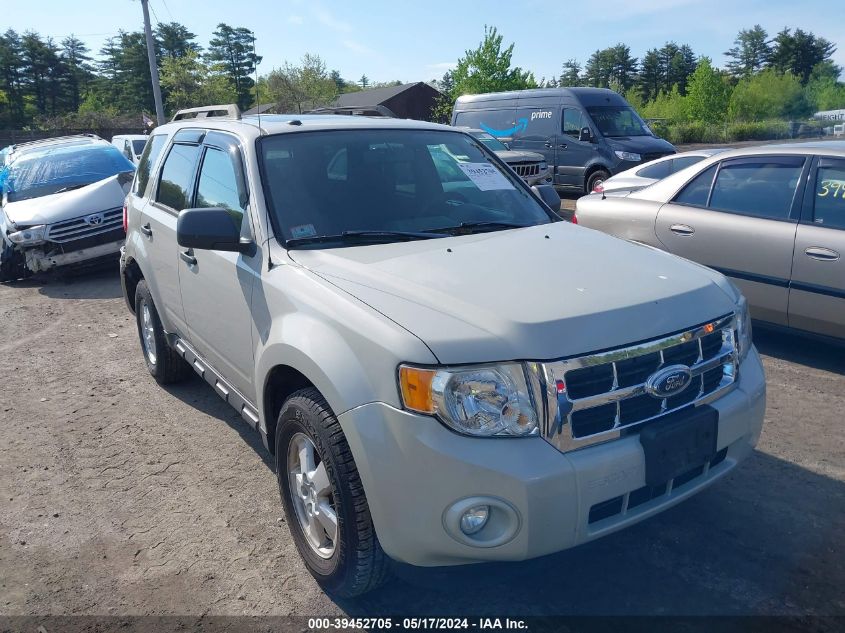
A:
x: 669, y: 381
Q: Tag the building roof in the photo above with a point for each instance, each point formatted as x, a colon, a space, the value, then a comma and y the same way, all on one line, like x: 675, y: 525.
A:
x: 375, y: 96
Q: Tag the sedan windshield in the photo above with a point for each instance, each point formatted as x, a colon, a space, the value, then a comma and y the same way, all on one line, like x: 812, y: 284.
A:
x: 618, y: 121
x: 490, y: 141
x: 58, y: 169
x: 341, y: 188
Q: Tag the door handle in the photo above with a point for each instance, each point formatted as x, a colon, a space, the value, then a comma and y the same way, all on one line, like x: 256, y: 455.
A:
x: 547, y: 144
x: 147, y: 230
x: 682, y: 229
x: 188, y: 258
x: 821, y: 253
x: 562, y: 146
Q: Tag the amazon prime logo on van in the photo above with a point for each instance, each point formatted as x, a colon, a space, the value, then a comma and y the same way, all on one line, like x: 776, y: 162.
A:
x: 541, y: 114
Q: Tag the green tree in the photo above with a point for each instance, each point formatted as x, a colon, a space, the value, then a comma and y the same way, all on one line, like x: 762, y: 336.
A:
x: 651, y: 80
x: 442, y: 112
x: 189, y: 83
x: 670, y: 106
x: 364, y: 82
x: 231, y: 53
x: 488, y: 68
x: 570, y: 73
x: 799, y: 52
x: 175, y: 40
x: 301, y: 88
x: 611, y: 66
x: 768, y: 95
x: 12, y: 76
x: 750, y: 52
x: 708, y: 94
x: 79, y: 71
x: 824, y: 91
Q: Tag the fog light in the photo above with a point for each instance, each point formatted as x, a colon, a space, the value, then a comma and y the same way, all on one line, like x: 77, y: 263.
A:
x: 474, y: 519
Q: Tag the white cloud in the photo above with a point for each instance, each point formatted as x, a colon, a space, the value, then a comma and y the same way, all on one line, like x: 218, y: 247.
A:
x: 357, y: 47
x: 327, y: 19
x: 295, y: 19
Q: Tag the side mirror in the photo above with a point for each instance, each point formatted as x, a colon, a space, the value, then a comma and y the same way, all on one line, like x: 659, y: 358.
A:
x: 211, y: 229
x: 548, y: 195
x: 585, y: 135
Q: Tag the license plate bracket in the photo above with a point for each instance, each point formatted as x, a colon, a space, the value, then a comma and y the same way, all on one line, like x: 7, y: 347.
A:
x: 678, y: 443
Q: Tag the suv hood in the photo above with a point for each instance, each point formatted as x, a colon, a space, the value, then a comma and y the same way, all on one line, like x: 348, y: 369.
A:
x: 537, y: 293
x: 518, y: 156
x: 99, y: 196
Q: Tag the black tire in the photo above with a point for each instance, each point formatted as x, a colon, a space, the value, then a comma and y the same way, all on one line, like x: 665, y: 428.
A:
x: 12, y: 266
x: 357, y: 564
x: 600, y: 175
x: 163, y: 362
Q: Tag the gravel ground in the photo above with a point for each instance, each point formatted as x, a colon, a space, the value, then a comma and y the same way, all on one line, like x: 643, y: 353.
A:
x: 128, y: 499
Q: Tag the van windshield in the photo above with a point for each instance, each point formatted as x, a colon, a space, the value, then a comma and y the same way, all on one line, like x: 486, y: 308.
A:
x: 618, y: 121
x: 390, y: 185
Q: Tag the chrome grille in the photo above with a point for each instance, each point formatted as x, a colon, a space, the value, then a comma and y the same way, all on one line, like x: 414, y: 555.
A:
x: 80, y: 228
x: 597, y: 397
x: 526, y: 171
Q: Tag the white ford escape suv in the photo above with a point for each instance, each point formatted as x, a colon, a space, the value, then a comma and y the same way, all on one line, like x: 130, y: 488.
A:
x: 444, y: 371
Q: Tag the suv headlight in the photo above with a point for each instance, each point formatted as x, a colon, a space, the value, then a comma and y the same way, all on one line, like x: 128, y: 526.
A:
x: 628, y: 156
x: 29, y: 236
x: 743, y: 329
x: 484, y: 401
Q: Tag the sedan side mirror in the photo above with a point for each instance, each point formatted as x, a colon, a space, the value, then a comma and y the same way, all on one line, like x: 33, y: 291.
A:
x: 211, y: 229
x: 585, y: 135
x: 549, y: 196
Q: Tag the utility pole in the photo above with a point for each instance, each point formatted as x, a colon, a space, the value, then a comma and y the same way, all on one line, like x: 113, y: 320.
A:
x: 151, y: 55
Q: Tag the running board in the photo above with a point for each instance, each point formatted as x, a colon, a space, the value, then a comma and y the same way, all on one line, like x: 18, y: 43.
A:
x: 226, y: 391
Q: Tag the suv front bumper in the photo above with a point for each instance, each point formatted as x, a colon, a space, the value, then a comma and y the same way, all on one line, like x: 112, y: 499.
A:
x: 414, y: 469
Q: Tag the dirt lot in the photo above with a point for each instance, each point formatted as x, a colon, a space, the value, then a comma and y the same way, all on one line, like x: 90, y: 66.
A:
x: 120, y: 497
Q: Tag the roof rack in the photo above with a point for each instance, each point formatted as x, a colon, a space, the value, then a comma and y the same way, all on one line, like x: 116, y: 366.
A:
x: 372, y: 110
x: 54, y: 138
x: 229, y: 110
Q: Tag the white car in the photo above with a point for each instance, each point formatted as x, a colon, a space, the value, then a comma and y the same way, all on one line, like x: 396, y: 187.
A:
x: 62, y: 204
x: 649, y: 173
x: 130, y: 145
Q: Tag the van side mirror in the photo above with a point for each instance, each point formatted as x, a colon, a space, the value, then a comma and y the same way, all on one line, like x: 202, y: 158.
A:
x: 548, y: 194
x: 211, y: 229
x: 585, y: 135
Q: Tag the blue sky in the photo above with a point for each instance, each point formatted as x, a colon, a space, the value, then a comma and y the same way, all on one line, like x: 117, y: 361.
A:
x: 419, y: 40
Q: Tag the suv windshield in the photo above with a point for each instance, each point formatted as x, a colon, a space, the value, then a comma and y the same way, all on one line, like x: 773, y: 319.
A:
x: 400, y: 184
x: 48, y: 171
x: 618, y: 121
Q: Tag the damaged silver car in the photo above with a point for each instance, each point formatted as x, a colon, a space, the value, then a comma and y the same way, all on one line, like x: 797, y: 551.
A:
x: 62, y: 205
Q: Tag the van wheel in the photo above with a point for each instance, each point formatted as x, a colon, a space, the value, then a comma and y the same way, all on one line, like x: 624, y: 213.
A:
x: 163, y: 363
x: 596, y: 178
x: 324, y: 500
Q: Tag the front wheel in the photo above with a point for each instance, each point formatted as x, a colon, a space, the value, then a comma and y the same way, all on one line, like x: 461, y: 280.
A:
x: 163, y: 363
x: 324, y: 499
x: 595, y: 179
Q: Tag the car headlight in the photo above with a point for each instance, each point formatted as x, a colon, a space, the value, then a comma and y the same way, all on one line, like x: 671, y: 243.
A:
x: 484, y: 401
x: 29, y: 236
x: 743, y: 329
x: 628, y: 156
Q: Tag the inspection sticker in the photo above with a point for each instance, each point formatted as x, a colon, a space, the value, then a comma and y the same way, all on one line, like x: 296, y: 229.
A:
x: 303, y: 230
x: 485, y: 176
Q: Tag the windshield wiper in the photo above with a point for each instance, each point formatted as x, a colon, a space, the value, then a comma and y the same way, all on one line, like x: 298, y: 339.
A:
x: 71, y: 188
x: 471, y: 227
x: 364, y: 236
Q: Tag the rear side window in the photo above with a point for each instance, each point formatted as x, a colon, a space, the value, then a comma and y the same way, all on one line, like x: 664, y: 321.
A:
x: 697, y: 191
x: 148, y: 159
x: 176, y: 176
x: 762, y: 188
x: 218, y: 185
x: 656, y: 171
x: 829, y: 205
x: 685, y: 161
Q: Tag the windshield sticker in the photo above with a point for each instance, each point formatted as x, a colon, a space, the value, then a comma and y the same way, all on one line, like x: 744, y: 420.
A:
x: 485, y: 176
x: 303, y: 230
